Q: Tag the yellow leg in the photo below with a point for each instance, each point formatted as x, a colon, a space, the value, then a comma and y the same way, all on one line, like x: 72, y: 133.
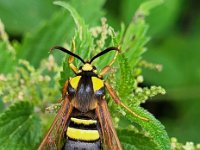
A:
x: 71, y: 59
x: 107, y: 68
x: 114, y: 96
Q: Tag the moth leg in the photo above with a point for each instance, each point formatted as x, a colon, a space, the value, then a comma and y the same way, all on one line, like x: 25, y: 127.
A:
x: 107, y: 68
x: 115, y: 97
x: 71, y: 59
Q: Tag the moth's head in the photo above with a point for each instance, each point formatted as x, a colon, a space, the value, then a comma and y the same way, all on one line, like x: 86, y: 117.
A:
x: 87, y: 65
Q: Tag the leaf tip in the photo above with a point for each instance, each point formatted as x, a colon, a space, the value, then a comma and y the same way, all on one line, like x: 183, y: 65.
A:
x: 58, y: 3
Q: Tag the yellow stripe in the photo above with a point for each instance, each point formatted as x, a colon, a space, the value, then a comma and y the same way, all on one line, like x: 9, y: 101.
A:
x: 97, y: 83
x: 74, y: 81
x: 83, y: 121
x: 86, y: 135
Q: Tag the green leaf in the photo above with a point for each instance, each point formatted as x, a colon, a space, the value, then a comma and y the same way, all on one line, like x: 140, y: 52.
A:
x: 147, y: 6
x: 83, y: 40
x: 134, y: 41
x: 135, y: 36
x: 38, y: 43
x: 77, y: 19
x: 29, y: 14
x: 19, y: 127
x: 125, y: 78
x: 90, y: 10
x: 133, y: 47
x: 153, y: 129
x: 132, y: 140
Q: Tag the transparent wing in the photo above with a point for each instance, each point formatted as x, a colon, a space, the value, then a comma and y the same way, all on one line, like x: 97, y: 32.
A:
x: 53, y: 138
x: 110, y: 138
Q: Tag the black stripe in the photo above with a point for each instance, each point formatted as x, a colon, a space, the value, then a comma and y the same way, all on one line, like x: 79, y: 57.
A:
x: 82, y: 126
x: 82, y: 145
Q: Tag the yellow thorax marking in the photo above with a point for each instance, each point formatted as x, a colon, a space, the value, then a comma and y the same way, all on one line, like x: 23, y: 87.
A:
x: 97, y: 83
x: 74, y: 81
x: 87, y: 67
x: 79, y: 134
x: 83, y: 121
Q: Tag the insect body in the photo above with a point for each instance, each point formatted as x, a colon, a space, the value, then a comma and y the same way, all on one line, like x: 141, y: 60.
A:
x: 84, y: 122
x: 84, y: 91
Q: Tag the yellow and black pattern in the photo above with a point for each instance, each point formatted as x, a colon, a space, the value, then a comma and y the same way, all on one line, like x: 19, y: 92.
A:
x: 96, y: 83
x: 83, y: 121
x: 83, y: 129
x: 83, y: 133
x: 84, y: 90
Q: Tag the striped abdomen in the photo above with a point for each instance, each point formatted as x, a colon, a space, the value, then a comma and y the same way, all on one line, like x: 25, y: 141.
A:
x: 82, y: 134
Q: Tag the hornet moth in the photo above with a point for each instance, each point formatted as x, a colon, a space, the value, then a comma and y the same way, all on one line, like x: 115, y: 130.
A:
x: 83, y: 122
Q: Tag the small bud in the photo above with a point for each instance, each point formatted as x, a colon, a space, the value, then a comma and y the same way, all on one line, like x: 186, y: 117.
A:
x: 140, y: 79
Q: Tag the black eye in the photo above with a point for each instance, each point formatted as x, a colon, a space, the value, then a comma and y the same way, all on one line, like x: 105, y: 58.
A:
x: 94, y: 68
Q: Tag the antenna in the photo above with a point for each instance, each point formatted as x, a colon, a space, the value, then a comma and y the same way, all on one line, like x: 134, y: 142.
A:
x: 67, y: 51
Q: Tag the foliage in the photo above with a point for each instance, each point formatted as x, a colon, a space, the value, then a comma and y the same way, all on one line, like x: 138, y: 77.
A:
x: 19, y: 127
x: 132, y: 140
x: 30, y: 80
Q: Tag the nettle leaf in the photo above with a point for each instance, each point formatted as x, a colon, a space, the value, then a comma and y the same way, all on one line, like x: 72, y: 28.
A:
x: 83, y: 41
x: 131, y: 140
x: 124, y: 78
x: 132, y: 47
x: 135, y: 36
x: 134, y: 40
x: 90, y: 10
x: 145, y: 8
x: 153, y: 129
x: 19, y: 127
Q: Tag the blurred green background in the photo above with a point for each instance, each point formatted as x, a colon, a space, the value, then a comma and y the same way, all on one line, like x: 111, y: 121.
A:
x: 174, y: 28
